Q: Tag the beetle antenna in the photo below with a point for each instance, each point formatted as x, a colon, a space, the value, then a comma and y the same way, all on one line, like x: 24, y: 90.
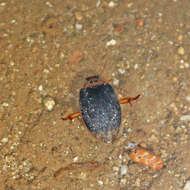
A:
x: 103, y: 67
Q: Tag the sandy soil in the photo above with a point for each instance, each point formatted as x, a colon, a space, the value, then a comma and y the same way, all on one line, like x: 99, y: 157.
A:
x: 47, y: 48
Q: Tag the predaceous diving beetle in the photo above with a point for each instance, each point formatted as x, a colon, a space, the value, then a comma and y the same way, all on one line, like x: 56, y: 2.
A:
x: 100, y: 108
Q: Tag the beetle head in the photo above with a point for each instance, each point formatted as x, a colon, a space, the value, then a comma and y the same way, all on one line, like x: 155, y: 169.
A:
x: 93, y: 81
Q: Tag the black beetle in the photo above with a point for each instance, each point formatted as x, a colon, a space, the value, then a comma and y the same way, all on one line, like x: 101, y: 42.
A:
x: 100, y: 108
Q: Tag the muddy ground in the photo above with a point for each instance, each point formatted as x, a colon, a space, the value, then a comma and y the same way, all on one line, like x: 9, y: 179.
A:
x: 47, y: 48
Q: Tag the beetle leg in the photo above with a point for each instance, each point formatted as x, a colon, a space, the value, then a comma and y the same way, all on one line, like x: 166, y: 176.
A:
x: 71, y: 116
x: 128, y: 100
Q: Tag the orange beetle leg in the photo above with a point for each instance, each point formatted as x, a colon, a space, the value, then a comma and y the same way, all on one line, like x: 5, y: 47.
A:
x: 128, y: 100
x: 71, y: 116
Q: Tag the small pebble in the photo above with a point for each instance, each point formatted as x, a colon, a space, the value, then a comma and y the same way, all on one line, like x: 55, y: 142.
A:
x: 138, y: 182
x: 75, y: 159
x: 123, y: 181
x: 100, y: 182
x: 187, y: 186
x: 140, y: 22
x: 121, y: 71
x: 5, y: 104
x: 46, y: 71
x: 170, y: 42
x: 3, y: 4
x: 181, y: 51
x: 111, y: 42
x: 180, y: 37
x: 49, y: 103
x: 111, y: 4
x: 160, y: 14
x: 186, y: 65
x: 12, y: 63
x: 4, y: 140
x: 78, y: 26
x: 49, y: 4
x: 130, y: 5
x: 115, y: 82
x: 185, y: 118
x: 153, y: 139
x: 40, y: 88
x: 13, y: 21
x: 131, y: 145
x: 62, y: 55
x: 98, y: 3
x: 136, y: 66
x: 188, y: 98
x: 123, y: 170
x: 115, y: 168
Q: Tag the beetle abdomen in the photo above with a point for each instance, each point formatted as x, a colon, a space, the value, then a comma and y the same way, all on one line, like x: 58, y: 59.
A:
x: 101, y: 111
